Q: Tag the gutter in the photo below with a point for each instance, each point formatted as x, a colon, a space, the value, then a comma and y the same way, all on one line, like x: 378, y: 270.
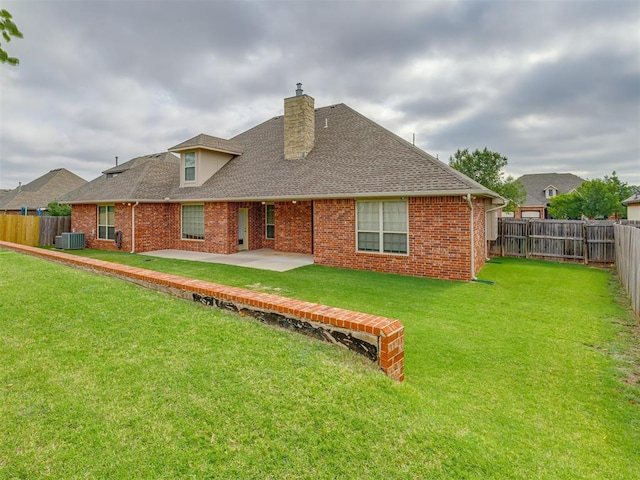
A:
x: 133, y: 227
x: 285, y: 198
x: 473, y: 252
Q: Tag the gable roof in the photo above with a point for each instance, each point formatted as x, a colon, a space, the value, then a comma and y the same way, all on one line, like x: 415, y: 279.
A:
x: 632, y: 200
x: 40, y: 192
x: 352, y: 157
x: 148, y: 177
x: 209, y: 142
x: 535, y: 185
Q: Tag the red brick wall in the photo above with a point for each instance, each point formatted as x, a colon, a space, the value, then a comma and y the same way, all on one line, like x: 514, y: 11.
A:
x: 84, y: 219
x: 540, y: 210
x: 439, y: 238
x: 294, y: 232
x: 157, y: 225
x: 439, y: 231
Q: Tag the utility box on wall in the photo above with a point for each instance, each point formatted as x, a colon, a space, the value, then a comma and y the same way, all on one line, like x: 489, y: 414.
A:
x: 70, y: 241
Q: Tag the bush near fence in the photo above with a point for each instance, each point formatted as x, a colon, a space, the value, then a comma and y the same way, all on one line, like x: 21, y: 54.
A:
x: 32, y: 230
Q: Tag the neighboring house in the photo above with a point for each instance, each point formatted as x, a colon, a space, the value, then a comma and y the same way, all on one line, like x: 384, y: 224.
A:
x: 633, y: 207
x: 34, y: 197
x: 541, y: 188
x: 327, y: 182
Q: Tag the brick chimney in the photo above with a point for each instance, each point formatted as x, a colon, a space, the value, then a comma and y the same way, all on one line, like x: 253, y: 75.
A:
x: 299, y: 125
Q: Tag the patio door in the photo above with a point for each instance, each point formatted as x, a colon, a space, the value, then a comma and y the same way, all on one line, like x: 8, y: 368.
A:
x: 243, y: 229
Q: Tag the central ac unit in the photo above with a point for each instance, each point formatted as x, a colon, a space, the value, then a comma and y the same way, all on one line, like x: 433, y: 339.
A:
x: 71, y: 241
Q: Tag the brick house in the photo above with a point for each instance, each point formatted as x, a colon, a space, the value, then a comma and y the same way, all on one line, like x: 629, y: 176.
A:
x: 327, y: 182
x: 34, y: 197
x: 541, y: 188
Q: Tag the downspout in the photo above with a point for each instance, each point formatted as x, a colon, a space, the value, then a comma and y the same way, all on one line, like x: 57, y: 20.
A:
x: 133, y: 227
x: 473, y: 253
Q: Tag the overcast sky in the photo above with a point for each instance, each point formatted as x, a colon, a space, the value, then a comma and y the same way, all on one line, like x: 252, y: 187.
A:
x: 552, y: 85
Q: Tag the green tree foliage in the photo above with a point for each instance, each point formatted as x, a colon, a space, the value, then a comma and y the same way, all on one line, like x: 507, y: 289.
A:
x: 593, y: 199
x: 485, y: 167
x: 55, y: 209
x: 8, y: 29
x: 622, y: 189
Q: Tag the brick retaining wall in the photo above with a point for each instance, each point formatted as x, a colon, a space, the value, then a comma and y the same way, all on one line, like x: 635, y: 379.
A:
x: 378, y: 338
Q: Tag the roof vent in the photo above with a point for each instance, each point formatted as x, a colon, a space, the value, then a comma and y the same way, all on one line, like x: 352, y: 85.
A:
x: 299, y: 89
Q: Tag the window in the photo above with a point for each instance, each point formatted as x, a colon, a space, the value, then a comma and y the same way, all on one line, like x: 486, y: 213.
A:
x: 382, y: 226
x: 270, y: 214
x: 550, y: 192
x: 193, y: 222
x: 106, y: 222
x: 190, y: 166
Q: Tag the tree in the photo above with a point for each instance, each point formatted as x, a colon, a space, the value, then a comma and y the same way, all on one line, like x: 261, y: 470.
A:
x: 621, y: 189
x: 9, y: 29
x: 485, y: 167
x: 593, y: 199
x: 55, y: 209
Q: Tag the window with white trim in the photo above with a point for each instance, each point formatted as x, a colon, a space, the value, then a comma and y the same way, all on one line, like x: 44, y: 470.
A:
x: 382, y: 226
x: 193, y: 222
x: 190, y: 166
x: 106, y: 222
x: 270, y: 221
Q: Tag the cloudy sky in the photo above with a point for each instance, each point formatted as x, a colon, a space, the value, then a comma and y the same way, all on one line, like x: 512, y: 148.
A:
x: 552, y: 85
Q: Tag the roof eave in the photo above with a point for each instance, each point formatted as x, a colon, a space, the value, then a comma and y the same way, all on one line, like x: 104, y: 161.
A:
x: 203, y: 147
x: 267, y: 198
x: 400, y: 194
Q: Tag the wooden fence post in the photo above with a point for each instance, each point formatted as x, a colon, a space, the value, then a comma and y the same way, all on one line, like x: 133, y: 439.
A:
x: 585, y: 244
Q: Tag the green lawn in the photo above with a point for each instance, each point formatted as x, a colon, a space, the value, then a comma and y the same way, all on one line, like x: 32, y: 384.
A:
x: 533, y: 377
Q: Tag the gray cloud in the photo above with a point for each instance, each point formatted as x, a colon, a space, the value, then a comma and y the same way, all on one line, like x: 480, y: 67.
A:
x: 553, y: 85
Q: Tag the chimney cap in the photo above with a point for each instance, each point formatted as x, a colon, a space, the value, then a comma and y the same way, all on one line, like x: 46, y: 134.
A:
x: 299, y: 89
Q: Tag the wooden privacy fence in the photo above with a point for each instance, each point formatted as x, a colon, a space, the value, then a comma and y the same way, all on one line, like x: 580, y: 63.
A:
x: 50, y: 227
x: 31, y: 230
x: 567, y: 240
x: 628, y: 261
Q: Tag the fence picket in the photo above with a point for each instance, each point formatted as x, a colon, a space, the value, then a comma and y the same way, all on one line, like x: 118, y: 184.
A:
x: 557, y: 239
x: 627, y: 250
x: 32, y: 230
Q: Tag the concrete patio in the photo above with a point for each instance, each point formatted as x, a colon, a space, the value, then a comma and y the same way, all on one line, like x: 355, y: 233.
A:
x: 264, y: 259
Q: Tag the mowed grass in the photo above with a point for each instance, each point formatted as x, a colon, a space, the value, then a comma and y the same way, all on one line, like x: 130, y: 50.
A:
x: 533, y: 377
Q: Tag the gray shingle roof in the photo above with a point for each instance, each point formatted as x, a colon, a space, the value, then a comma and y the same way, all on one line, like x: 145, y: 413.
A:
x: 148, y: 177
x: 162, y: 156
x: 352, y: 157
x: 40, y: 192
x: 535, y: 184
x: 632, y: 200
x: 210, y: 143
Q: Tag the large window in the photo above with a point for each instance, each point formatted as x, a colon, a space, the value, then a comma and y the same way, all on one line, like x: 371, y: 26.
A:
x: 189, y: 166
x: 106, y: 222
x: 193, y: 222
x: 382, y: 226
x: 270, y: 215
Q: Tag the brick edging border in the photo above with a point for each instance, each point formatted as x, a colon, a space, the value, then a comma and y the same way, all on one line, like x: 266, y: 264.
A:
x: 378, y: 338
